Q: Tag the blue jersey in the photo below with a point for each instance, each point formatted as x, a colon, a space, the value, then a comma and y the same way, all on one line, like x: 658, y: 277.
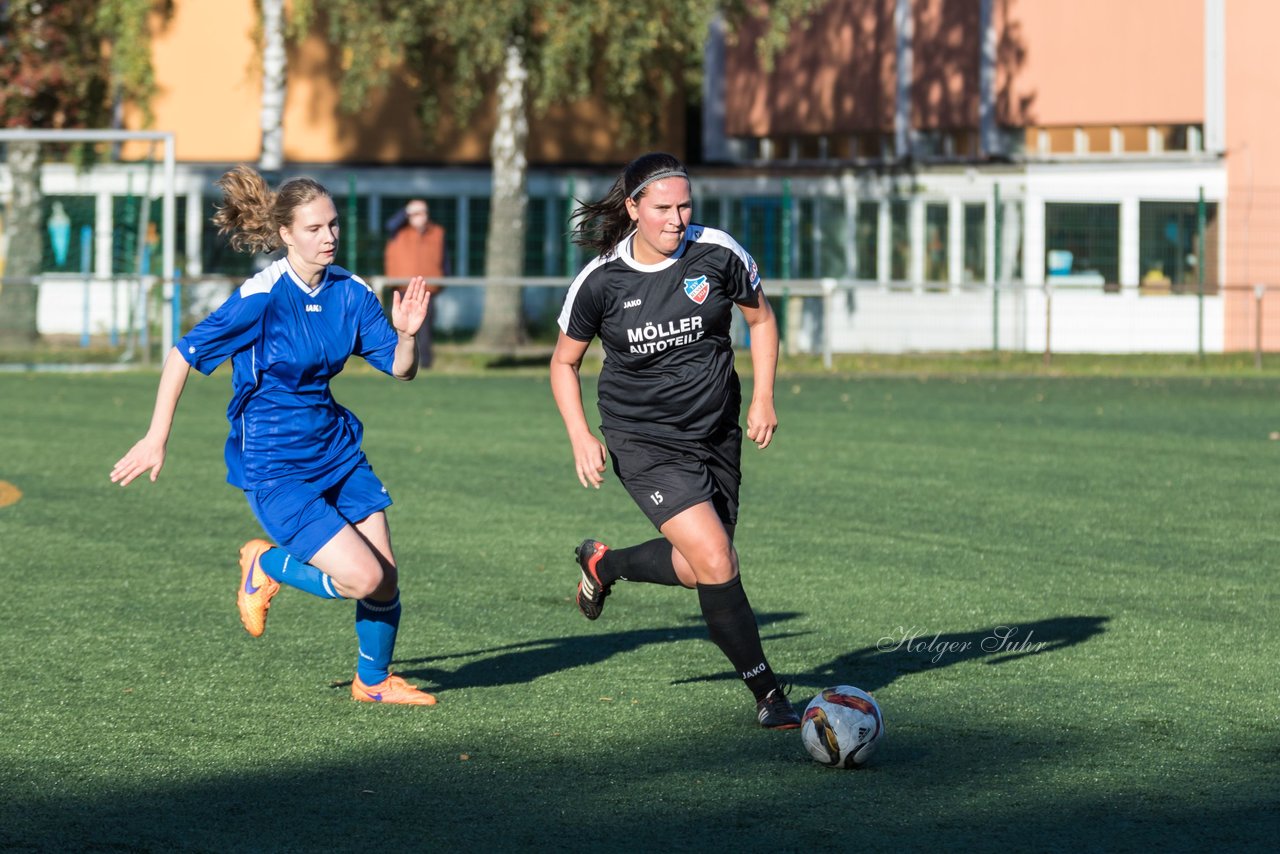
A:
x: 286, y: 341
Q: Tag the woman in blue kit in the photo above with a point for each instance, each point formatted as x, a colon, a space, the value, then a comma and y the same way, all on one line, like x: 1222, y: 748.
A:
x: 292, y: 448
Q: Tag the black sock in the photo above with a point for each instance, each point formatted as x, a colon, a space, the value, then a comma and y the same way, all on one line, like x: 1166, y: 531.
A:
x: 732, y: 625
x: 648, y: 562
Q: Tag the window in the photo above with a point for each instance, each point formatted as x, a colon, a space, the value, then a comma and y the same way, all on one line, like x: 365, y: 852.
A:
x: 1098, y: 139
x: 477, y: 235
x: 975, y: 243
x: 936, y: 223
x: 65, y: 218
x: 899, y: 239
x: 1169, y: 245
x: 820, y: 231
x: 867, y: 240
x: 126, y: 217
x: 1008, y: 240
x: 872, y: 145
x: 1082, y: 243
x: 708, y: 211
x: 360, y: 244
x: 757, y: 225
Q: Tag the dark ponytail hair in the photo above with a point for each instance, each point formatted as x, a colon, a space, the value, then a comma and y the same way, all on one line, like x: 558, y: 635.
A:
x: 602, y: 224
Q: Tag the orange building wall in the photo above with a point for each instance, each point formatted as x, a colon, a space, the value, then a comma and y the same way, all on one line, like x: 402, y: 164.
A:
x: 1109, y: 61
x: 945, y: 64
x: 209, y: 81
x: 1253, y: 172
x: 1058, y: 63
x: 209, y: 74
x: 834, y: 76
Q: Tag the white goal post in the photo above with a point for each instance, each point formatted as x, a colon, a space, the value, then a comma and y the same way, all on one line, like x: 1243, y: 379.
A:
x: 169, y: 205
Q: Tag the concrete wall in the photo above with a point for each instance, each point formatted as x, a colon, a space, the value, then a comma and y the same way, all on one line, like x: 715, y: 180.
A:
x: 875, y: 319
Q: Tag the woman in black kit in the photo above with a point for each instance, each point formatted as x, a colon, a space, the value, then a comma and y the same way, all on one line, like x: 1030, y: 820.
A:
x: 660, y: 298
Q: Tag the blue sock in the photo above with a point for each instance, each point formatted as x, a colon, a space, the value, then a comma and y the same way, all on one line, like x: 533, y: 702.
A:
x: 376, y: 626
x: 280, y: 565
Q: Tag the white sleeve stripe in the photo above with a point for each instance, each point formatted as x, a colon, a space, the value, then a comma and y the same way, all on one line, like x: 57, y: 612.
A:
x: 565, y: 312
x: 264, y: 281
x: 334, y: 269
x: 723, y: 238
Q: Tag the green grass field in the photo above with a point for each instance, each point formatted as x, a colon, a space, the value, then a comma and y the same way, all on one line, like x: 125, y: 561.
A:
x: 1124, y: 527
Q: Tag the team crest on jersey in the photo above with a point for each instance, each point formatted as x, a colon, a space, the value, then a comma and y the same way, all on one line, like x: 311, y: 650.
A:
x: 697, y: 289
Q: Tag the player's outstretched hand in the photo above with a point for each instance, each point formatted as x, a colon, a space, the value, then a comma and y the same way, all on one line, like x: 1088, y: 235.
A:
x: 146, y: 455
x: 409, y: 311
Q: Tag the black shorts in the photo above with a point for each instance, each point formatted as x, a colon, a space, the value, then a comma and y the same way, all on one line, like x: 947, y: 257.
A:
x: 666, y: 476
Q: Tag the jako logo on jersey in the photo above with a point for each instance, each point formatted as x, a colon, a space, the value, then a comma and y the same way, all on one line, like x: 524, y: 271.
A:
x: 656, y: 498
x: 697, y: 289
x: 311, y: 307
x: 631, y: 303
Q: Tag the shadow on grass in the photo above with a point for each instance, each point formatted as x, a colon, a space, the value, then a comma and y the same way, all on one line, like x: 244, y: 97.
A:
x: 912, y: 650
x: 741, y: 790
x: 870, y: 668
x: 521, y: 663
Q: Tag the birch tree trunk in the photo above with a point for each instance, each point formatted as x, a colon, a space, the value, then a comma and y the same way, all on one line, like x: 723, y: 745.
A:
x: 502, y: 327
x: 25, y: 246
x: 271, y: 158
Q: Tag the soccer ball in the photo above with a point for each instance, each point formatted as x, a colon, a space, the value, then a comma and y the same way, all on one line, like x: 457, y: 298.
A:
x: 842, y: 726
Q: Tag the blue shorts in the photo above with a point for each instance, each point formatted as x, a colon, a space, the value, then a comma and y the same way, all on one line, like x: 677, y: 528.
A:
x: 302, y: 516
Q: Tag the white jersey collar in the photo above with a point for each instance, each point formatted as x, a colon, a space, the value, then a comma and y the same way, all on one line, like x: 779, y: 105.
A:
x: 624, y: 252
x: 297, y: 280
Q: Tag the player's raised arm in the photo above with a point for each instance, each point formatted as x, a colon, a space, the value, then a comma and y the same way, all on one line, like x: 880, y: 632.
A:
x: 408, y: 313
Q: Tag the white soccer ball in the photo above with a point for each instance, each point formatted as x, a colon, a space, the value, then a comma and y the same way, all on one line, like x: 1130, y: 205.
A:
x: 842, y: 726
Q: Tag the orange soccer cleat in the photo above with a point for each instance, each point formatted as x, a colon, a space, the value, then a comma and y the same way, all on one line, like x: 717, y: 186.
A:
x: 393, y: 689
x: 256, y: 590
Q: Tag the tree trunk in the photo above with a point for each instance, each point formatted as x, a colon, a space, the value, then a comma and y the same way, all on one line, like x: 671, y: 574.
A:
x: 502, y: 327
x: 274, y: 60
x: 18, y: 301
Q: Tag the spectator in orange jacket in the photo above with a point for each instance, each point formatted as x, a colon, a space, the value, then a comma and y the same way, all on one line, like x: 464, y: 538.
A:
x: 417, y: 249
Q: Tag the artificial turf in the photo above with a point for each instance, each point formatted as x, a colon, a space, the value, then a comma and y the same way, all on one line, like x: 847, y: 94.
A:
x: 1061, y: 591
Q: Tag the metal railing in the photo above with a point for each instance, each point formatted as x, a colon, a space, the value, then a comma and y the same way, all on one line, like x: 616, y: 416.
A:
x: 818, y: 316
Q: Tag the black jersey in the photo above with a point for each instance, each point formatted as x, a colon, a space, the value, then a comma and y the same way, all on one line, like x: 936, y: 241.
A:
x: 668, y: 368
